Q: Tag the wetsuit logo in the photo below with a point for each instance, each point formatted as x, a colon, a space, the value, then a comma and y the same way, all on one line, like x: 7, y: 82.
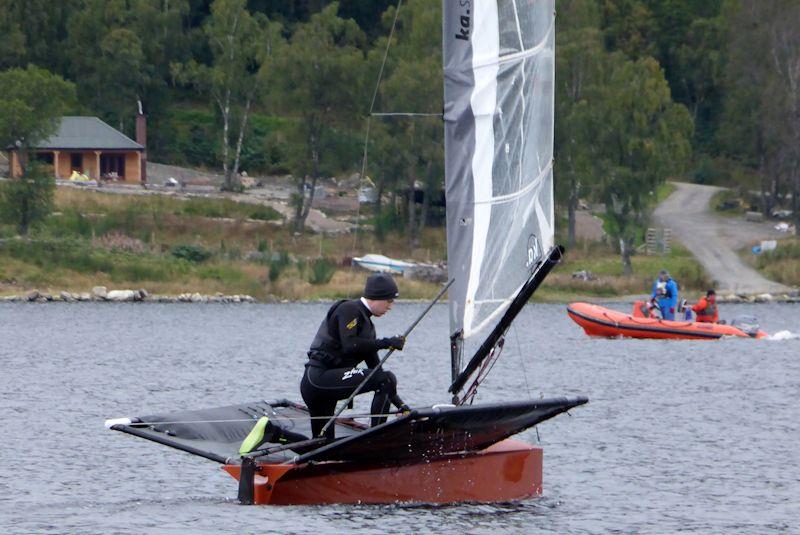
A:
x: 352, y: 373
x: 465, y: 21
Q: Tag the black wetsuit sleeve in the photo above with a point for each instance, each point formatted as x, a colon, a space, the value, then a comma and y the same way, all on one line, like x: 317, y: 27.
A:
x: 357, y: 338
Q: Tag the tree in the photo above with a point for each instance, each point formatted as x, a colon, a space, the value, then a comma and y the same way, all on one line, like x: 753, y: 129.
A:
x: 408, y: 151
x: 579, y: 63
x: 762, y: 105
x: 31, y: 101
x: 27, y: 200
x: 241, y: 45
x: 121, y: 51
x: 322, y: 86
x: 12, y: 46
x: 643, y: 137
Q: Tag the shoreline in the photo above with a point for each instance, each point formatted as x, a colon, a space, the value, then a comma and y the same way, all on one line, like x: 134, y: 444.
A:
x: 100, y: 294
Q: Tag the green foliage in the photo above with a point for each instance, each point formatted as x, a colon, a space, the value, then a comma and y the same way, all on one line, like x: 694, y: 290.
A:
x: 277, y: 265
x: 241, y: 45
x: 193, y: 253
x: 27, y: 201
x: 226, y: 208
x: 782, y: 264
x: 78, y: 256
x: 322, y: 271
x: 31, y: 101
x: 322, y: 83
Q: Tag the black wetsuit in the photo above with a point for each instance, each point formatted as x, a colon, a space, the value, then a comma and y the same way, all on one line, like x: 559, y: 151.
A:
x: 345, y: 338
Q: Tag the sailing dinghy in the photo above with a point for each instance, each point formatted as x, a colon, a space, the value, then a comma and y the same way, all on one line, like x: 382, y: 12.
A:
x: 499, y: 87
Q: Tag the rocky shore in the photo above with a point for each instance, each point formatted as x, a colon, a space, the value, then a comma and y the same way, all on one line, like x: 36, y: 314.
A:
x: 102, y: 294
x: 792, y: 297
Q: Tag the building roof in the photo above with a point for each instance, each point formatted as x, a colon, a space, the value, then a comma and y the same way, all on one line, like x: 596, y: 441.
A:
x: 87, y: 133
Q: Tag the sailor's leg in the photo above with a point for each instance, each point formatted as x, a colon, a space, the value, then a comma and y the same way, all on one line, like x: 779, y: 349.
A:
x: 385, y: 393
x: 320, y: 404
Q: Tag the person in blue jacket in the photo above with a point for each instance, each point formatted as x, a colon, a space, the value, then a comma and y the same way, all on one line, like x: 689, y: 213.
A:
x: 665, y: 292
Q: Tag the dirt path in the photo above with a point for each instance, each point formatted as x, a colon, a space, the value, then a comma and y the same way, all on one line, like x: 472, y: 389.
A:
x: 714, y: 239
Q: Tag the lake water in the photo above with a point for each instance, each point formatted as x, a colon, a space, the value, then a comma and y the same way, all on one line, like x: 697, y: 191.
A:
x: 677, y: 436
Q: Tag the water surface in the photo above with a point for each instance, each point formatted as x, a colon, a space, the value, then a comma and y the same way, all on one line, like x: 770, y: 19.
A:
x: 678, y: 436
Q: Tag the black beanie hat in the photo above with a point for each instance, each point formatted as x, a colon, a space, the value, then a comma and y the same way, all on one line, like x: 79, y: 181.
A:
x: 380, y: 287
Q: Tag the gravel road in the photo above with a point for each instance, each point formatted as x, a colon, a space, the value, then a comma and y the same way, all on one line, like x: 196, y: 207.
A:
x: 714, y: 239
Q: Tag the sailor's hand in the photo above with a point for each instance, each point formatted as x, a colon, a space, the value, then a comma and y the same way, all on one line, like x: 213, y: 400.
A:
x: 397, y: 342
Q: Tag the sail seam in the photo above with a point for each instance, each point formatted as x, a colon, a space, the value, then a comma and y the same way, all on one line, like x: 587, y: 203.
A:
x: 522, y: 54
x: 517, y: 194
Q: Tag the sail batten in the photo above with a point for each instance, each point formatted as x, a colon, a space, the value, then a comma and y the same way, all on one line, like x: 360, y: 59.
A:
x: 499, y: 67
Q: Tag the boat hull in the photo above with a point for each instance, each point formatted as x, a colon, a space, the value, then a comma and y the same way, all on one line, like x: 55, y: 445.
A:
x: 506, y: 471
x: 600, y: 321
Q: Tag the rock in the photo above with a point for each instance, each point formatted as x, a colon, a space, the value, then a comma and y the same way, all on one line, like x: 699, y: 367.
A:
x: 41, y: 299
x: 33, y: 295
x: 11, y: 299
x: 143, y: 293
x: 236, y: 299
x: 67, y: 297
x: 121, y: 295
x: 100, y: 292
x: 196, y: 298
x: 47, y: 297
x: 84, y: 296
x: 763, y: 298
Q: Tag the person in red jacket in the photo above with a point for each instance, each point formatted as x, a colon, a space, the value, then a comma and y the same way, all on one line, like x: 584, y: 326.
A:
x: 706, y: 308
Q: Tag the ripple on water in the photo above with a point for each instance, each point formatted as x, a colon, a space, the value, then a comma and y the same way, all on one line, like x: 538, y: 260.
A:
x: 678, y: 436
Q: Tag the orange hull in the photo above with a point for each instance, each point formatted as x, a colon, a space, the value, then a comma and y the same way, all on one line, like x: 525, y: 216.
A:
x: 508, y: 470
x: 601, y: 321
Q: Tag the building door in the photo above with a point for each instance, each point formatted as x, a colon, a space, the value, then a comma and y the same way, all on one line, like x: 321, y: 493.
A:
x: 76, y: 162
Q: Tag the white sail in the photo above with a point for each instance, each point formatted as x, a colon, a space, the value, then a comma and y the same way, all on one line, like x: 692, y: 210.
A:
x: 499, y: 63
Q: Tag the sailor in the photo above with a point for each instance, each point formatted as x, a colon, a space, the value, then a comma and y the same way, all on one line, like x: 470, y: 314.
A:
x: 346, y: 338
x: 665, y: 293
x: 706, y: 308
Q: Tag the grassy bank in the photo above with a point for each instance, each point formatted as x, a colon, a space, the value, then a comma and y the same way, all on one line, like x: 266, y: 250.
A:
x: 601, y: 261
x: 170, y: 245
x: 781, y: 265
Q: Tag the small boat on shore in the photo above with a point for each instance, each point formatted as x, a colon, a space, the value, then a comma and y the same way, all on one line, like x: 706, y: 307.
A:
x: 600, y: 321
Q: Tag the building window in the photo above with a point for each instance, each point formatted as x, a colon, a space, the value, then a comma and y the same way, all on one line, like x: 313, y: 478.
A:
x: 44, y: 157
x: 112, y: 166
x: 76, y: 161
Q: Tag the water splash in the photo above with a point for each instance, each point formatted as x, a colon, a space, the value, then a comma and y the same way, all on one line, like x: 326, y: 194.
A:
x: 784, y: 335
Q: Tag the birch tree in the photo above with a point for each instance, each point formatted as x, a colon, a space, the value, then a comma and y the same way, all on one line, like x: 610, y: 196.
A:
x: 241, y: 45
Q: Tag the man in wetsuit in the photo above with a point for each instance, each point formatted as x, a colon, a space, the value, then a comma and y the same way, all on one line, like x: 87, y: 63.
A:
x: 345, y: 338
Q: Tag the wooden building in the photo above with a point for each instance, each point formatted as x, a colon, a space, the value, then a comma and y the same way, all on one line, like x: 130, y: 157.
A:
x: 90, y: 147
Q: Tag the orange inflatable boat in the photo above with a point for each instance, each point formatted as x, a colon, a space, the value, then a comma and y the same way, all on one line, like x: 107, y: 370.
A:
x: 601, y: 321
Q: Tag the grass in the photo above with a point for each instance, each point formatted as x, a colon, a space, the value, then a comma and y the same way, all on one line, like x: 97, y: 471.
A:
x: 606, y: 264
x: 223, y: 249
x: 782, y: 264
x: 221, y: 245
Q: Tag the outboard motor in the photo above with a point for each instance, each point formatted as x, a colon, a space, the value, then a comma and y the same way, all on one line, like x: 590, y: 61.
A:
x: 747, y: 324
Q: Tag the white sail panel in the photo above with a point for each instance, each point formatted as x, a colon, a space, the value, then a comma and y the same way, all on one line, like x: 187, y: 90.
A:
x: 499, y: 96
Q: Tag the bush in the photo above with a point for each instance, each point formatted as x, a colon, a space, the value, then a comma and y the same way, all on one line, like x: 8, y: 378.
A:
x: 28, y: 200
x: 322, y: 271
x: 265, y: 213
x: 192, y: 253
x: 276, y: 266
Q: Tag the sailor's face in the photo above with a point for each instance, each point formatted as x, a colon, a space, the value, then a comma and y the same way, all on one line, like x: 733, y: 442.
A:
x: 379, y: 308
